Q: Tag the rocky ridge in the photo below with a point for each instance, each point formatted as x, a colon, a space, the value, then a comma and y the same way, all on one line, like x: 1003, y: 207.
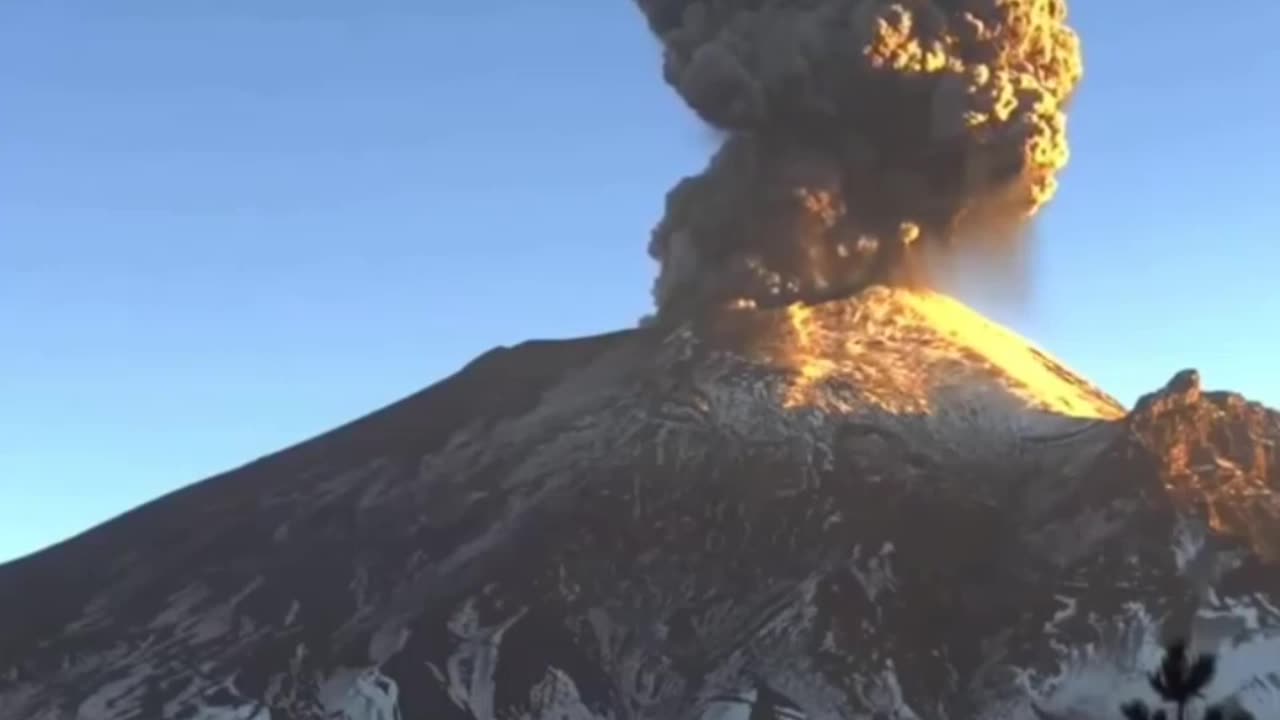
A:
x: 883, y: 506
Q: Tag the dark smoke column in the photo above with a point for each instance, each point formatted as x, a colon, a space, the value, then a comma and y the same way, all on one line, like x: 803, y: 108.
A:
x: 860, y: 134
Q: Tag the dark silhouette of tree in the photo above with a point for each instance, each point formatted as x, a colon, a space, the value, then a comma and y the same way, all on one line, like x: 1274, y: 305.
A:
x: 1138, y: 710
x: 1181, y: 679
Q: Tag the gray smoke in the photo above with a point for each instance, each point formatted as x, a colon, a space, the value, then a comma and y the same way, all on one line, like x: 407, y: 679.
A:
x: 860, y: 137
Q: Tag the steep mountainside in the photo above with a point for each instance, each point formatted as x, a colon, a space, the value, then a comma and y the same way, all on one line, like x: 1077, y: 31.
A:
x: 883, y: 507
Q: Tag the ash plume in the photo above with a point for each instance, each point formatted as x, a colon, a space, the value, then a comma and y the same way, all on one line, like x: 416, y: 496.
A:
x: 860, y: 137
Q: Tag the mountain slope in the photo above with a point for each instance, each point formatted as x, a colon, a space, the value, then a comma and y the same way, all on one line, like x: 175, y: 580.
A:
x: 880, y: 504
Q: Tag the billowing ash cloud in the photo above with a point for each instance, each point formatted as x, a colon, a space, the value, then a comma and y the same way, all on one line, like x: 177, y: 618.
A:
x: 859, y: 135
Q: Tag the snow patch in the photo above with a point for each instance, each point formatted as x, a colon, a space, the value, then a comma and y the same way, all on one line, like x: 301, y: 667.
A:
x: 470, y: 668
x: 239, y: 712
x: 875, y: 574
x: 361, y: 695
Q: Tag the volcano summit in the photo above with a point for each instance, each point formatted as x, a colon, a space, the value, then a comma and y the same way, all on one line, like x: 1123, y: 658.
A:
x: 883, y: 506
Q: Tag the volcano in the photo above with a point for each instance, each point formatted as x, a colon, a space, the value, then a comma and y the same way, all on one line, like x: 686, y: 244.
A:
x: 882, y: 506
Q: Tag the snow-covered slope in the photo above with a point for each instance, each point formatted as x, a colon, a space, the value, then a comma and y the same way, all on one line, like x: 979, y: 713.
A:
x: 883, y: 506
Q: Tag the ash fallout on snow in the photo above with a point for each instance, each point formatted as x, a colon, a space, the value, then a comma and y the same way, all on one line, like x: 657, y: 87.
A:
x: 860, y: 137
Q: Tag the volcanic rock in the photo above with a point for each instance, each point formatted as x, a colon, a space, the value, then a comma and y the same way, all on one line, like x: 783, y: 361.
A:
x: 877, y: 507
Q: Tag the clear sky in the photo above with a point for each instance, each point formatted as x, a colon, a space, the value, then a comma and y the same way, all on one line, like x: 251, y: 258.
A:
x: 227, y: 225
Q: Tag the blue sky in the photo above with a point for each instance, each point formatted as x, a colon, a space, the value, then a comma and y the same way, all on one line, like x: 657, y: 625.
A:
x: 227, y: 226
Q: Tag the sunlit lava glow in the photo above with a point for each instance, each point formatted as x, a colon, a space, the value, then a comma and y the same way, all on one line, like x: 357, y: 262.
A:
x: 811, y: 367
x: 921, y: 352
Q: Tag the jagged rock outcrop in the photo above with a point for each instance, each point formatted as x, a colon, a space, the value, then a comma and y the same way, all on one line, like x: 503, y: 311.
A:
x: 882, y: 507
